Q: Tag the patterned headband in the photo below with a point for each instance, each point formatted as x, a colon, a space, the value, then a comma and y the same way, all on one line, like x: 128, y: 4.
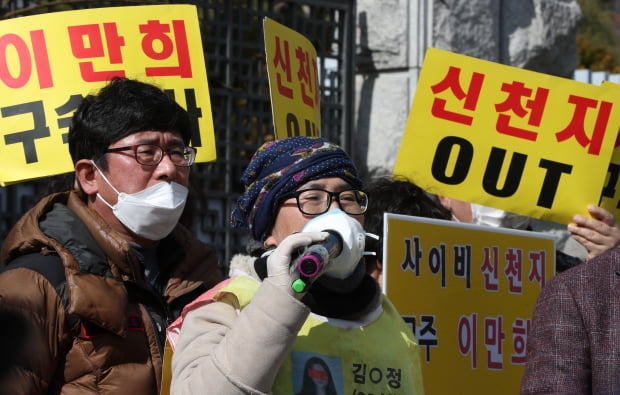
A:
x: 280, y: 167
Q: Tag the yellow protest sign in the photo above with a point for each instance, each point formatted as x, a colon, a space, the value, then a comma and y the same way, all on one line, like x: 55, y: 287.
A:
x: 49, y: 62
x: 293, y: 81
x: 468, y: 293
x: 509, y: 138
x: 610, y: 197
x: 166, y: 374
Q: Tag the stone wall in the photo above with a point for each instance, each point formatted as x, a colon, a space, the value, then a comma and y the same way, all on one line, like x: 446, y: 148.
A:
x: 393, y: 36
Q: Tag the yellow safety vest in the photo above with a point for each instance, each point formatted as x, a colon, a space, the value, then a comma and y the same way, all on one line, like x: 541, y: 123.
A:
x: 381, y: 357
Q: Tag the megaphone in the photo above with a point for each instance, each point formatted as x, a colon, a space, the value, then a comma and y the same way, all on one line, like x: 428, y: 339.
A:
x: 337, y: 256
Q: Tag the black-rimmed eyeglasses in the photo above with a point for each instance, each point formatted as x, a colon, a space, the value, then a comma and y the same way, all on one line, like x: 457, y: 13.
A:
x: 318, y: 201
x: 151, y: 154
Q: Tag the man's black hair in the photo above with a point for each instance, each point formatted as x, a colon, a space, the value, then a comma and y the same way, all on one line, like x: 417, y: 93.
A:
x: 121, y: 108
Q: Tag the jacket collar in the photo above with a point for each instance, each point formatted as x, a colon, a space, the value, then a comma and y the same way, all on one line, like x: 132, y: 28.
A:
x: 98, y: 261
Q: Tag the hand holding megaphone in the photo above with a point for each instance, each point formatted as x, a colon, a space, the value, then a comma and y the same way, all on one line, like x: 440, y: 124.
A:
x: 313, y: 260
x: 337, y: 256
x: 279, y: 259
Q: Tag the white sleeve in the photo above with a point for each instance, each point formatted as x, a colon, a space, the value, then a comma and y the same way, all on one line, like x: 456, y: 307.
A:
x: 223, y: 351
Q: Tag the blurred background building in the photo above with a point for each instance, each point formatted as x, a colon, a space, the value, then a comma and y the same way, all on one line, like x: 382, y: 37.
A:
x: 370, y: 55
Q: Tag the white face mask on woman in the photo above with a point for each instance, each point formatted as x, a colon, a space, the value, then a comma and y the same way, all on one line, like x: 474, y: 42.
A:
x: 151, y: 213
x: 352, y: 236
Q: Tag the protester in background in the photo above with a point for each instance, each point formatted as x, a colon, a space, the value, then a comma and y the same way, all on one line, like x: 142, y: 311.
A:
x: 597, y: 234
x: 472, y: 213
x: 253, y: 333
x: 95, y: 274
x: 395, y: 195
x: 573, y: 346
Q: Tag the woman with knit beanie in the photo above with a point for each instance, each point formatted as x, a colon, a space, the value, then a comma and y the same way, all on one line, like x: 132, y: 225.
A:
x: 255, y: 332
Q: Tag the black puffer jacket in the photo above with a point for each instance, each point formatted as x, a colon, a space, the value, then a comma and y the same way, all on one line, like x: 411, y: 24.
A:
x: 83, y: 318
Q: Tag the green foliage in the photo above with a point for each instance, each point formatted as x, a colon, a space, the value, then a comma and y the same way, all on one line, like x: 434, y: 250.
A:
x: 597, y: 37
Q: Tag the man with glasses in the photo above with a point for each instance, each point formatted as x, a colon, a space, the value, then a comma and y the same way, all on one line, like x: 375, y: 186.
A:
x: 254, y: 333
x: 95, y: 275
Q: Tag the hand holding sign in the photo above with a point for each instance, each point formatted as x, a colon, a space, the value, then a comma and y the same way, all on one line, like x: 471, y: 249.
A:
x: 598, y: 233
x: 503, y: 137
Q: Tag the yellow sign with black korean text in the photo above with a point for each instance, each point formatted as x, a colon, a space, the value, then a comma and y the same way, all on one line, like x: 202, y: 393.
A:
x: 293, y: 81
x: 509, y: 138
x: 49, y: 62
x: 610, y: 197
x: 468, y: 293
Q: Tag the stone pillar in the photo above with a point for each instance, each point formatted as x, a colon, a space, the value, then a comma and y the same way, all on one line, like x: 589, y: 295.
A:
x: 392, y: 39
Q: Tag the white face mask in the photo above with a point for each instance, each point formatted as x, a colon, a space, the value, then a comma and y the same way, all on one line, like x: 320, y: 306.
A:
x: 483, y: 215
x: 151, y: 213
x: 353, y: 238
